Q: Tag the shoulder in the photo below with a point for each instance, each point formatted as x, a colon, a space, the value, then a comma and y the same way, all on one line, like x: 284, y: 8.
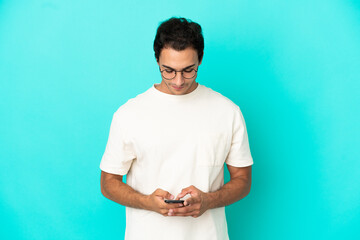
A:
x: 218, y: 100
x: 133, y: 105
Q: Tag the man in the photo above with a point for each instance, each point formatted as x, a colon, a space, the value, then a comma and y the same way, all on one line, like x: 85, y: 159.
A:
x: 172, y: 142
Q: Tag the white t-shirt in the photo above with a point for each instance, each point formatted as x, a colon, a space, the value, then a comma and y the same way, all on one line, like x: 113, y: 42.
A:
x: 172, y: 142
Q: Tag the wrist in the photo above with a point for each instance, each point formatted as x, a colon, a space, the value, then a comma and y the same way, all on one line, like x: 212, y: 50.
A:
x: 210, y: 200
x: 144, y: 202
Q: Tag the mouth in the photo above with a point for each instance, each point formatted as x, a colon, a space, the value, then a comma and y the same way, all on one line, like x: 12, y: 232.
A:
x: 177, y: 88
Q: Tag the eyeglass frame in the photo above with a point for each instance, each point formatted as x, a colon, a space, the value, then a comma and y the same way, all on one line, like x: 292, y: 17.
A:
x: 182, y: 73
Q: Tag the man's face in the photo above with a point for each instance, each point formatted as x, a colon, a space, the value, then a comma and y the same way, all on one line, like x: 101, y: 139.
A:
x: 170, y: 60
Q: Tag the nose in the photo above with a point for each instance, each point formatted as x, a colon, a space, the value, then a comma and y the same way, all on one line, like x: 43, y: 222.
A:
x: 178, y: 80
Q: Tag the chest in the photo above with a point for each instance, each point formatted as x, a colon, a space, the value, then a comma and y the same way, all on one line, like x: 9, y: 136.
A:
x: 187, y: 133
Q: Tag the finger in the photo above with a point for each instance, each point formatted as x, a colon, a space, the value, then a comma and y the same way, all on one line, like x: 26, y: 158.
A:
x: 175, y: 212
x: 184, y: 192
x: 184, y: 210
x: 183, y: 215
x: 164, y: 194
x: 191, y: 200
x: 194, y: 212
x: 172, y: 205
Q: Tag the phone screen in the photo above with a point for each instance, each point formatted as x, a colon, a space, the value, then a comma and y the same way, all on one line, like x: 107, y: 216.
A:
x: 174, y: 201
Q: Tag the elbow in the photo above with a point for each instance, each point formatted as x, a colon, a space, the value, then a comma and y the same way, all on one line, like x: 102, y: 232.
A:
x: 244, y: 190
x: 248, y: 188
x: 103, y: 188
x: 103, y: 191
x: 109, y: 183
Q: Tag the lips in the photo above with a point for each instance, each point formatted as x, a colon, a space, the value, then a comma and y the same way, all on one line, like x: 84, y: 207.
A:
x: 177, y: 88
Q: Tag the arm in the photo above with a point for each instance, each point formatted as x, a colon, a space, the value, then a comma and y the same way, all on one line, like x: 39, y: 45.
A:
x: 237, y: 188
x: 113, y: 188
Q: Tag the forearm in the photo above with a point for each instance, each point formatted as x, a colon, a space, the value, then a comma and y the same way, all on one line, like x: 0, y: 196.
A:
x: 118, y: 191
x: 234, y: 190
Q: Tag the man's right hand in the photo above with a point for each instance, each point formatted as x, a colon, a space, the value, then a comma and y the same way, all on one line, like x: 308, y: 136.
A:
x: 113, y: 188
x: 157, y: 204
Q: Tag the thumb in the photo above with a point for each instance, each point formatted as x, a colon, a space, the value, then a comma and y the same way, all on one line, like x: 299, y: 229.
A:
x: 189, y: 201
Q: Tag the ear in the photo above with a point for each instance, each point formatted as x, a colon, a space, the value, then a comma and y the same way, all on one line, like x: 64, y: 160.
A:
x: 201, y: 59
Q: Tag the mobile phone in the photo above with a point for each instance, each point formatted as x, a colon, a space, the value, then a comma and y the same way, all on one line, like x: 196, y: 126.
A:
x: 173, y: 201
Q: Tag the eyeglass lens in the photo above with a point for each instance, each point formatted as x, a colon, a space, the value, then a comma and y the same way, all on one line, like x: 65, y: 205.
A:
x: 170, y: 74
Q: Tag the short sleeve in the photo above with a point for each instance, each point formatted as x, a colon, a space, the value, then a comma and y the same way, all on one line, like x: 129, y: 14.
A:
x: 119, y: 152
x: 239, y: 154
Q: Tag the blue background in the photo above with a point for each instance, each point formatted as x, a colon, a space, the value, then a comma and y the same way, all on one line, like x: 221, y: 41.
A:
x: 291, y: 66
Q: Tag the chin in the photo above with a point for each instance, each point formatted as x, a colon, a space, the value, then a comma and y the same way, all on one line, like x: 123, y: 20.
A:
x: 182, y: 92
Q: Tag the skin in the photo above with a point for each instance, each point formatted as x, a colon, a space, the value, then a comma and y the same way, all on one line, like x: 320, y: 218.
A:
x: 178, y: 60
x: 113, y: 187
x: 234, y: 190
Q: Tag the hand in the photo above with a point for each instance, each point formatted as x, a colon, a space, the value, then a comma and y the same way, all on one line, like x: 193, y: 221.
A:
x: 156, y: 202
x: 194, y: 206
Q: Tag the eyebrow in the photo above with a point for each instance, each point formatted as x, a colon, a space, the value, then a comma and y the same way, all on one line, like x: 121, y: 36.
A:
x: 181, y: 70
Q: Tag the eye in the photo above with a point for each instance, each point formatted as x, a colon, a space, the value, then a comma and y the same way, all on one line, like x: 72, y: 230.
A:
x: 169, y: 70
x: 188, y: 70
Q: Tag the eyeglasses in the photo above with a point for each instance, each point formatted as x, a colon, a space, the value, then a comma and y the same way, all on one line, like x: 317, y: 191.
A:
x: 169, y: 74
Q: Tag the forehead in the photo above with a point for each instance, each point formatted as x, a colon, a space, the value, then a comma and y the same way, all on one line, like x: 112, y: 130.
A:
x: 178, y: 59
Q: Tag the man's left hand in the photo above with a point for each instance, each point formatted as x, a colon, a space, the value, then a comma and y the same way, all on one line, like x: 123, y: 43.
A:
x: 194, y: 206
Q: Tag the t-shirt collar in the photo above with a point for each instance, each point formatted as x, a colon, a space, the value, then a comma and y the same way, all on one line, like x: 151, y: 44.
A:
x: 176, y: 97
